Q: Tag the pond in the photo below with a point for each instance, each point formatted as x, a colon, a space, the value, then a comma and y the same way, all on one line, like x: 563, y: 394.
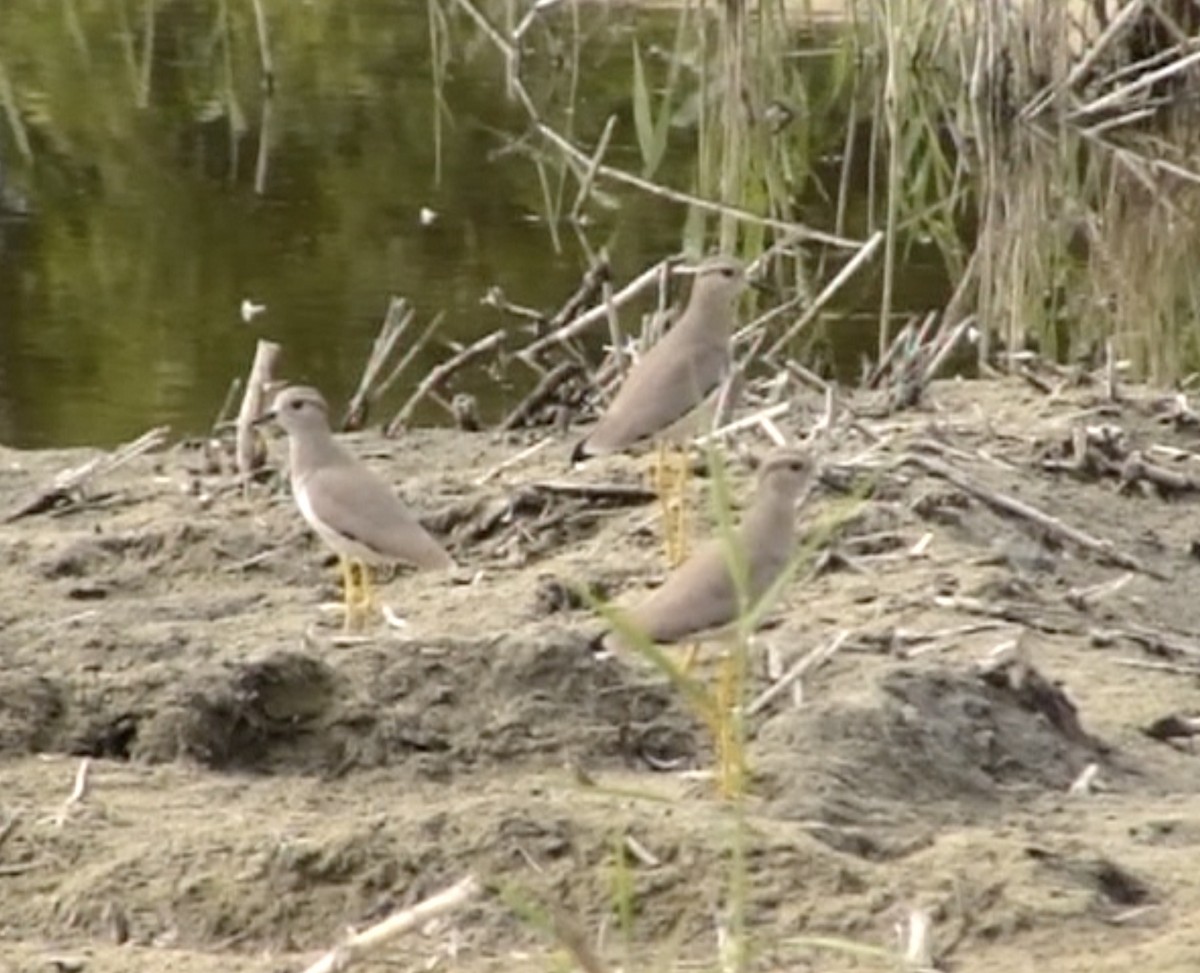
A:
x: 151, y: 186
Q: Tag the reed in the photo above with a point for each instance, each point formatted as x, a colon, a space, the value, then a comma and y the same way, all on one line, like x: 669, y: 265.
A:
x: 1031, y: 138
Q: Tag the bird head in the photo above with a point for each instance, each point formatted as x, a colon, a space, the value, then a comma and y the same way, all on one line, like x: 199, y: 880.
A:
x: 719, y: 281
x: 787, y: 473
x: 298, y: 407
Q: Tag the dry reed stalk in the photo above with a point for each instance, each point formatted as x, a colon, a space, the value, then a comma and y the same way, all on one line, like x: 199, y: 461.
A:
x: 865, y: 253
x: 599, y: 312
x: 399, y: 316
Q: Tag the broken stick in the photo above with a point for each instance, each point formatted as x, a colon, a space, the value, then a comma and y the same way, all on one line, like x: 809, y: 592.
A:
x: 541, y: 394
x: 399, y: 316
x: 63, y: 489
x: 1104, y: 550
x: 248, y: 453
x: 440, y: 373
x: 598, y: 312
x: 340, y: 957
x: 619, y: 493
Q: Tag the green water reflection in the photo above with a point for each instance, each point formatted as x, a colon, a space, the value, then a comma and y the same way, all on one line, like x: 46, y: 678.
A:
x: 137, y: 152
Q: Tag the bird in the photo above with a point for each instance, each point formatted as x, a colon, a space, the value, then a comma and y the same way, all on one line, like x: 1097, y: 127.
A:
x: 349, y: 506
x: 674, y: 378
x: 662, y: 398
x: 705, y: 596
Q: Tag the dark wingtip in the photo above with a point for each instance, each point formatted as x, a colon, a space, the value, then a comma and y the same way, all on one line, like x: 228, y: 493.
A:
x: 598, y: 647
x: 580, y: 452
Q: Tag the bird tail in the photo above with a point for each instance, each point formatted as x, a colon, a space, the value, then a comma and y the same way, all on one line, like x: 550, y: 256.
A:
x: 580, y: 452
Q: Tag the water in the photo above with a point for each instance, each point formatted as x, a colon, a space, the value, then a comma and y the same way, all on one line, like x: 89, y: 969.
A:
x: 132, y: 230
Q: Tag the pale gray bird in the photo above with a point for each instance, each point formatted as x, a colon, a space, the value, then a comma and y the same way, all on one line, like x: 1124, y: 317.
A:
x: 675, y: 377
x: 700, y: 598
x: 349, y: 506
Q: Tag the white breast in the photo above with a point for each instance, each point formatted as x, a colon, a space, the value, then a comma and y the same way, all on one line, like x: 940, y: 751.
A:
x: 341, y: 544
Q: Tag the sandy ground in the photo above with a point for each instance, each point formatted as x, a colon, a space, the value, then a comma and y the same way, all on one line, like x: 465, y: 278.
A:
x: 257, y: 786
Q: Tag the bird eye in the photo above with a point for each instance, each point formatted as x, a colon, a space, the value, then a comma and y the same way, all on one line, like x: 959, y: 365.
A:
x: 297, y: 405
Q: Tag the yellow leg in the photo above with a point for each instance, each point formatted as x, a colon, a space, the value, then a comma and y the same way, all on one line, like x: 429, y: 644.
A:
x: 670, y: 478
x: 357, y: 592
x: 349, y: 593
x: 719, y: 706
x: 366, y: 591
x: 731, y: 750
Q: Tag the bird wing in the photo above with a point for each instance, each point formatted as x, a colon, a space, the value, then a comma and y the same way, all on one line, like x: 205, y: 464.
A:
x: 672, y: 379
x: 768, y: 530
x: 701, y: 596
x: 697, y: 597
x: 357, y: 503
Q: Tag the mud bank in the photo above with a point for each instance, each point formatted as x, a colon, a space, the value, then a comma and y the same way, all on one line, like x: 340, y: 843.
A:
x: 258, y: 784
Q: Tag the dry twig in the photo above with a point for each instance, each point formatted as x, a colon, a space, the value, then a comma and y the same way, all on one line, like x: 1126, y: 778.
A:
x: 399, y: 316
x: 78, y: 792
x: 621, y: 493
x: 865, y: 252
x: 541, y: 394
x: 440, y: 373
x: 360, y: 944
x: 575, y: 326
x: 807, y: 662
x: 1102, y: 549
x: 9, y: 827
x: 513, y: 460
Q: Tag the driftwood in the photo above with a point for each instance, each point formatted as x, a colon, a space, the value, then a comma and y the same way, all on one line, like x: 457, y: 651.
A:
x: 588, y: 180
x: 515, y: 460
x: 440, y: 373
x: 495, y: 298
x: 65, y: 487
x: 902, y: 340
x: 1103, y: 450
x: 771, y: 412
x: 1178, y: 411
x: 1137, y: 469
x: 409, y: 356
x: 249, y: 452
x: 614, y: 330
x: 1166, y: 645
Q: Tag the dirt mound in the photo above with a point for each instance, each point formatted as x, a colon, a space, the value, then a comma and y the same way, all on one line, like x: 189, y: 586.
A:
x: 436, y: 709
x: 932, y: 742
